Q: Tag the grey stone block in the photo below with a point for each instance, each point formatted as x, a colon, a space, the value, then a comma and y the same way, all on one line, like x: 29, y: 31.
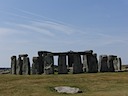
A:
x: 62, y: 67
x: 77, y: 64
x: 19, y: 66
x: 23, y: 55
x: 49, y: 64
x: 13, y: 64
x: 103, y: 63
x: 36, y: 66
x: 90, y: 62
x: 26, y: 66
x: 110, y: 63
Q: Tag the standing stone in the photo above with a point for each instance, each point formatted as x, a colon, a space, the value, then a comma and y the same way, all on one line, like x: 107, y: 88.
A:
x: 103, y: 63
x: 85, y: 63
x: 70, y: 60
x: 23, y: 65
x: 94, y: 63
x: 19, y: 66
x: 62, y: 67
x: 26, y: 66
x: 115, y: 63
x: 77, y: 64
x: 90, y: 62
x: 110, y: 63
x: 13, y: 65
x: 36, y: 66
x: 119, y: 64
x: 48, y: 64
x: 41, y: 62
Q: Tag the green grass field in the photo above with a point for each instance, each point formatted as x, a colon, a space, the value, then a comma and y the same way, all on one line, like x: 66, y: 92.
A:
x: 93, y: 84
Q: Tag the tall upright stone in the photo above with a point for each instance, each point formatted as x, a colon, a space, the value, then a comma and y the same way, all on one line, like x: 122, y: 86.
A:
x: 90, y: 62
x: 94, y: 63
x: 19, y: 66
x: 26, y: 66
x: 13, y: 65
x: 23, y: 65
x: 70, y: 58
x: 36, y: 66
x: 103, y: 63
x: 62, y: 67
x: 77, y: 64
x: 115, y: 63
x: 85, y: 65
x: 119, y: 64
x: 110, y: 63
x: 41, y: 61
x: 48, y: 64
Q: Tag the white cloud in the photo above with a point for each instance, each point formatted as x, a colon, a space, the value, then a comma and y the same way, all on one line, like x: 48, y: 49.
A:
x: 6, y: 31
x: 36, y: 29
x: 50, y: 25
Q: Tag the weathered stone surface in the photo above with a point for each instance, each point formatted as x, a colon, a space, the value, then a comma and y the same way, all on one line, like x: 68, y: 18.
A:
x: 103, y: 63
x: 13, y: 65
x: 49, y: 64
x: 23, y: 55
x: 41, y: 61
x: 90, y: 62
x: 67, y: 89
x: 26, y: 66
x: 95, y: 63
x: 19, y: 66
x: 119, y: 64
x: 89, y: 51
x: 40, y: 53
x: 115, y: 63
x: 77, y: 64
x: 62, y: 67
x: 36, y: 66
x: 70, y: 60
x: 84, y: 63
x: 110, y: 63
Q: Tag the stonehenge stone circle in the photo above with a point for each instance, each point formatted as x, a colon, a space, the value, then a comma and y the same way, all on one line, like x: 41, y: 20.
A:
x: 68, y: 62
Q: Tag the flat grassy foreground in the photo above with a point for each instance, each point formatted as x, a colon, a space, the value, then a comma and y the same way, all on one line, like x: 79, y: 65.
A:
x: 93, y: 84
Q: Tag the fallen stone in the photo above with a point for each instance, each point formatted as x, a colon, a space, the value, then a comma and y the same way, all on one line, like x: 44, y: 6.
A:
x: 67, y: 89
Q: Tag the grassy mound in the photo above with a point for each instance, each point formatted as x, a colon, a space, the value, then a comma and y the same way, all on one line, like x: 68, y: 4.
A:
x: 94, y: 84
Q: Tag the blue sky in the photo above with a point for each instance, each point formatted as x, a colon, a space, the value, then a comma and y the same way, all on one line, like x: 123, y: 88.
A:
x: 28, y: 26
